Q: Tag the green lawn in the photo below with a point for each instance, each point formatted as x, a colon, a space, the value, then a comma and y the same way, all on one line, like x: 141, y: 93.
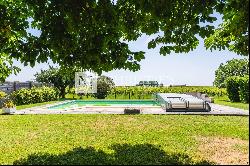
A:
x: 119, y: 139
x: 225, y: 101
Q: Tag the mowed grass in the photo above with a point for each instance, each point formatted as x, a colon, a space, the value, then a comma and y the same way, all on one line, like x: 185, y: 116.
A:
x: 115, y: 139
x: 224, y: 100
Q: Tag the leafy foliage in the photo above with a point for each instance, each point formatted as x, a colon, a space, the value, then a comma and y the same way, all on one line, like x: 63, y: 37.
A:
x: 244, y: 89
x: 233, y: 32
x: 13, y: 26
x: 2, y: 98
x: 234, y: 67
x: 61, y: 78
x: 2, y: 94
x: 238, y: 88
x: 94, y: 34
x: 34, y: 95
x: 139, y: 92
x: 232, y: 85
x: 6, y: 67
x: 104, y: 86
x: 8, y: 104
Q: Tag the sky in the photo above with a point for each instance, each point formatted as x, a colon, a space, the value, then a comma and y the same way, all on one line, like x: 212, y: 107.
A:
x: 196, y: 68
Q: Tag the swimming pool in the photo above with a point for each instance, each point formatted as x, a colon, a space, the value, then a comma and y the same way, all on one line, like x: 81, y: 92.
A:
x: 122, y: 103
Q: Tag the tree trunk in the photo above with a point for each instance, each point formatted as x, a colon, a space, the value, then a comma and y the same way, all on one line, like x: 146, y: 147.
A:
x: 62, y: 93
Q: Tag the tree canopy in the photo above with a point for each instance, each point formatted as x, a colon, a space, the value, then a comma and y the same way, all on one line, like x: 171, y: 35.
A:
x: 104, y: 86
x: 233, y: 32
x: 93, y: 34
x: 61, y: 78
x: 234, y: 67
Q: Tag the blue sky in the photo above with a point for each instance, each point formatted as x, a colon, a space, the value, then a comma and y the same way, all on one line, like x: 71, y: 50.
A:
x: 193, y: 68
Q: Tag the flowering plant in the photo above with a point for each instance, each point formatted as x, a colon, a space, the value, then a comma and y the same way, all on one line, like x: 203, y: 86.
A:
x: 8, y: 104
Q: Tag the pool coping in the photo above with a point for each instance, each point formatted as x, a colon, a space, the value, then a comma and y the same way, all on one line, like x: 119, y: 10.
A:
x: 96, y: 106
x: 155, y: 110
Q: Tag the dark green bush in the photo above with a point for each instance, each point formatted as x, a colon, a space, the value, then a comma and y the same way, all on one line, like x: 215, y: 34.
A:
x: 244, y: 89
x: 232, y: 86
x: 234, y: 67
x: 34, y: 95
x: 104, y: 86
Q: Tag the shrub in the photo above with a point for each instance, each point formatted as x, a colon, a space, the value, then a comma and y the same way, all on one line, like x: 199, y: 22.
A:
x: 234, y: 67
x: 34, y: 95
x: 232, y: 86
x: 8, y: 104
x: 104, y: 86
x: 244, y: 89
x: 37, y: 95
x: 22, y: 96
x: 2, y: 95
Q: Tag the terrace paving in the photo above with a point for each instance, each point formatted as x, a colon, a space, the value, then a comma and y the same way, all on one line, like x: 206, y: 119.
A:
x: 215, y: 110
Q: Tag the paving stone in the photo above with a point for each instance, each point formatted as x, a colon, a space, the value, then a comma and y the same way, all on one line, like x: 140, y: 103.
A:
x: 215, y: 110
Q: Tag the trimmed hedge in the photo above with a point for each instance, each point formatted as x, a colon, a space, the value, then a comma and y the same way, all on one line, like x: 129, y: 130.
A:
x: 34, y: 95
x: 238, y: 88
x: 232, y: 86
x: 244, y: 89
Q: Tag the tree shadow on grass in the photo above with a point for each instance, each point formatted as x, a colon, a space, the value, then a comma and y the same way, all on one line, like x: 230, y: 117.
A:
x: 124, y: 154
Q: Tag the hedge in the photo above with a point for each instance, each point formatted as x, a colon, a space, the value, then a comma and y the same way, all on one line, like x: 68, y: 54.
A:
x: 244, y: 89
x: 34, y: 95
x: 232, y: 86
x: 238, y: 88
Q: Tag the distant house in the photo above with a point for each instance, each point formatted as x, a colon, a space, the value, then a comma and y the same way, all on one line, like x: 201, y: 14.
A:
x: 149, y: 83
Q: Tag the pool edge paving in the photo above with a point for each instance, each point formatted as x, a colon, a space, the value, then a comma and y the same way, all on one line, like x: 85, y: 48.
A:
x: 157, y: 110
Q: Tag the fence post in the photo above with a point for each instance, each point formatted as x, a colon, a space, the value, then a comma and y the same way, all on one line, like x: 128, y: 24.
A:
x: 129, y: 95
x: 115, y: 94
